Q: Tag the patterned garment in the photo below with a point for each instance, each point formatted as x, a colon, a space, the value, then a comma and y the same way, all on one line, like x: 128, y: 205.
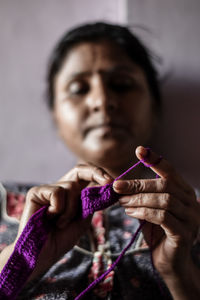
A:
x: 111, y: 231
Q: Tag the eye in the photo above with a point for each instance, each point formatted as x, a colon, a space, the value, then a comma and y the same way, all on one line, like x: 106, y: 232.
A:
x: 122, y: 84
x: 78, y: 88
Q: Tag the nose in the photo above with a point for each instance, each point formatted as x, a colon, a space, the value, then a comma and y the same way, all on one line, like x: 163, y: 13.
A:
x: 101, y: 97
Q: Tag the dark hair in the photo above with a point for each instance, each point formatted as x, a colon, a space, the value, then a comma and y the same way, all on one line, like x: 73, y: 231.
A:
x: 96, y: 31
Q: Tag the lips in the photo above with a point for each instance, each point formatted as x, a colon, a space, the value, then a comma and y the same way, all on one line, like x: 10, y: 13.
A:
x: 106, y: 126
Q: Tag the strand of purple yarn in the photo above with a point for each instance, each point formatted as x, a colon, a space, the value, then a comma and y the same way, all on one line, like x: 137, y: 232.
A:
x: 24, y: 257
x: 100, y: 278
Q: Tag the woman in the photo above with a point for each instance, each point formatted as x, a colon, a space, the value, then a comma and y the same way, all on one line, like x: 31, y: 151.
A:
x: 105, y: 100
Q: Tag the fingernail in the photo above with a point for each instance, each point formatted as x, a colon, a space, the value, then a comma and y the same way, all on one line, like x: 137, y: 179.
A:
x: 121, y: 185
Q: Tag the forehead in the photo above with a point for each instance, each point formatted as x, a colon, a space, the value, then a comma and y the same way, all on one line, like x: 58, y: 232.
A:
x: 96, y: 56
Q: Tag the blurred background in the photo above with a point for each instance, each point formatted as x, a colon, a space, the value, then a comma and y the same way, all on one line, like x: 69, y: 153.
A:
x: 30, y: 150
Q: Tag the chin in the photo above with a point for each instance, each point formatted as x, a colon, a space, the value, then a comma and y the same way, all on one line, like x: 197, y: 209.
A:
x: 109, y: 154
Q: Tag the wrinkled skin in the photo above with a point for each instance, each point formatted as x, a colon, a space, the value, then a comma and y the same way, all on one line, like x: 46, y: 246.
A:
x: 63, y: 199
x: 170, y: 204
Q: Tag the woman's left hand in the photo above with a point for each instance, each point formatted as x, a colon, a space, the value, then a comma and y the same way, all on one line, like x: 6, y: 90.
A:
x: 170, y: 204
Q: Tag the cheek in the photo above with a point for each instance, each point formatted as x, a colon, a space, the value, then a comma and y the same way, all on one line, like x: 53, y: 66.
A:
x: 68, y: 121
x: 139, y: 114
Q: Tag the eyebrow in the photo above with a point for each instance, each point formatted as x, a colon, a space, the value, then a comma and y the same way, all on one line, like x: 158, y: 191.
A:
x: 119, y: 68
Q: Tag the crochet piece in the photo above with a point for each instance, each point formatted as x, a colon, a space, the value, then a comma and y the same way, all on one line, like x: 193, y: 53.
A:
x: 97, y: 198
x: 24, y: 257
x: 100, y: 197
x: 103, y: 197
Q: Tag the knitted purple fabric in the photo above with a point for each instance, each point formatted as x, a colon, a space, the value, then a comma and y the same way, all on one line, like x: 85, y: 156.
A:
x: 24, y: 257
x: 97, y: 198
x: 100, y: 197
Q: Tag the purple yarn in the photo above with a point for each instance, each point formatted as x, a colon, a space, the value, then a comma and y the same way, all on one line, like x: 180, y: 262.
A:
x: 23, y: 260
x: 100, y: 278
x: 97, y: 198
x: 100, y: 197
x: 24, y: 257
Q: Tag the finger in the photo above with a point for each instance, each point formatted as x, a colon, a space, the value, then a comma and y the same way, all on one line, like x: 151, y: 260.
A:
x: 161, y: 166
x: 71, y: 203
x: 160, y: 185
x: 37, y: 197
x: 51, y: 195
x: 173, y: 228
x: 88, y: 173
x: 162, y: 201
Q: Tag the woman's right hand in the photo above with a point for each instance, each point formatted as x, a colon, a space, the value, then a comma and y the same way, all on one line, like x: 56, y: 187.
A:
x: 63, y: 200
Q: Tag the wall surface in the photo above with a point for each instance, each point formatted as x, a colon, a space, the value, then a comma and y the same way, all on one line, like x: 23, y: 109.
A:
x: 30, y: 150
x: 171, y: 29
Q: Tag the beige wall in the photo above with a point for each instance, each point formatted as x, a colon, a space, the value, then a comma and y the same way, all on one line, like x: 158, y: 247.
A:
x: 30, y: 150
x: 174, y: 35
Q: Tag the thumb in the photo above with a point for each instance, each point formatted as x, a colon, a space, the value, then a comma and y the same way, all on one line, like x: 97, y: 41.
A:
x: 156, y: 162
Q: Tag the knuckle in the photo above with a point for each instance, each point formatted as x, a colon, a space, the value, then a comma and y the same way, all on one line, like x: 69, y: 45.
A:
x: 145, y: 213
x: 32, y: 192
x: 97, y: 173
x: 77, y: 168
x: 98, y: 170
x: 75, y: 172
x: 137, y: 186
x: 164, y: 184
x: 131, y: 202
x: 140, y: 199
x: 166, y: 199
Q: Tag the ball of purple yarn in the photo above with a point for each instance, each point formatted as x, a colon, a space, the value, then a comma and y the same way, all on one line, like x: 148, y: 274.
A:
x: 97, y: 198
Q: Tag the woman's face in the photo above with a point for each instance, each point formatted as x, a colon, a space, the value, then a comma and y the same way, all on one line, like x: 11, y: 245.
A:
x: 103, y: 106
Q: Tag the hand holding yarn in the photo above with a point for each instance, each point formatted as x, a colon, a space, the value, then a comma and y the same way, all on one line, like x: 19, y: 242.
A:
x: 63, y: 211
x: 170, y: 204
